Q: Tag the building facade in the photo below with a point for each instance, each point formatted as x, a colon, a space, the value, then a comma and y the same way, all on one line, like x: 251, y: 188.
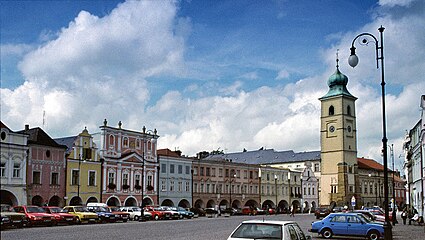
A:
x: 220, y: 183
x: 338, y: 142
x: 45, y: 169
x: 83, y: 178
x: 175, y: 179
x: 130, y: 166
x: 13, y: 168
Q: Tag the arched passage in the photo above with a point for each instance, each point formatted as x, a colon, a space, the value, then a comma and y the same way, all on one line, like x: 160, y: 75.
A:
x: 211, y: 204
x: 92, y: 200
x: 113, y: 201
x: 130, y: 201
x: 75, y: 201
x: 268, y: 204
x: 296, y: 204
x: 283, y: 207
x: 8, y: 198
x: 147, y: 201
x: 252, y: 203
x: 55, y: 201
x: 37, y: 200
x: 168, y: 203
x: 199, y: 203
x: 313, y: 206
x: 184, y: 203
x: 236, y: 204
x: 223, y: 204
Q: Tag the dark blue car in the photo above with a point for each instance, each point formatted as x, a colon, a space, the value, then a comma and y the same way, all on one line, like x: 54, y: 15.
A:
x: 347, y: 224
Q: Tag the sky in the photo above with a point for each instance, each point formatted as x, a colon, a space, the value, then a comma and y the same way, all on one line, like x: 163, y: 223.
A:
x: 210, y: 75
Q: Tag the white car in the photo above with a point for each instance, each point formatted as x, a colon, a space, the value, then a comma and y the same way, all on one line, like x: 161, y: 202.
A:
x: 135, y: 213
x: 260, y: 229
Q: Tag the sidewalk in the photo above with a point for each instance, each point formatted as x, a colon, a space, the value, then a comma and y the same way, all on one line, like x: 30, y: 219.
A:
x: 407, y: 231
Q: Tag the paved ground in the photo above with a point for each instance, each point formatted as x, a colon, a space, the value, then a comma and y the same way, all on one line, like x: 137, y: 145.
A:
x: 188, y: 229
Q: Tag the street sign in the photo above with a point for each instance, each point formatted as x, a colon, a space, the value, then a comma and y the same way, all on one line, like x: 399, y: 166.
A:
x: 353, y: 201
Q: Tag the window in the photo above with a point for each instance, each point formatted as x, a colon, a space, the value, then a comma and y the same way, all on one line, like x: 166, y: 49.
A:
x: 163, y: 168
x: 187, y: 169
x: 201, y: 190
x: 171, y: 186
x: 149, y: 180
x: 171, y: 168
x: 208, y: 188
x: 137, y: 180
x: 338, y: 218
x: 195, y: 171
x: 179, y: 186
x: 187, y: 187
x: 125, y: 179
x: 201, y: 171
x: 111, y: 177
x: 125, y: 141
x: 331, y: 110
x: 220, y: 172
x: 87, y: 153
x: 353, y: 219
x: 245, y: 174
x: 75, y: 175
x: 227, y: 173
x: 349, y: 110
x: 36, y: 177
x: 251, y: 175
x: 316, y: 167
x: 213, y: 172
x: 3, y: 169
x: 207, y: 171
x: 163, y: 186
x: 180, y: 169
x: 16, y: 170
x: 54, y: 178
x: 195, y: 186
x: 92, y: 178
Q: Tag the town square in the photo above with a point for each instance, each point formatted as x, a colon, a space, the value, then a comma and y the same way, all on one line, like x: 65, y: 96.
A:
x: 177, y: 119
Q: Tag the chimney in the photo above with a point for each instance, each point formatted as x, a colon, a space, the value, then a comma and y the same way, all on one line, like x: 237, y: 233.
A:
x: 27, y: 127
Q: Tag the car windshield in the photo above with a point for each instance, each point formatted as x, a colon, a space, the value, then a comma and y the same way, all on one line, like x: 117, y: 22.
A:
x: 7, y: 208
x: 35, y: 210
x: 258, y: 231
x: 81, y: 209
x: 137, y: 209
x: 55, y: 210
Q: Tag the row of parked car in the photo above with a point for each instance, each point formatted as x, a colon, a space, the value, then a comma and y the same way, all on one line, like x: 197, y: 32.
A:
x: 367, y: 222
x: 27, y: 216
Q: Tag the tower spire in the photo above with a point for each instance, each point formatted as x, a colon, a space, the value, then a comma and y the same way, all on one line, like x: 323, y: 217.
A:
x: 337, y: 59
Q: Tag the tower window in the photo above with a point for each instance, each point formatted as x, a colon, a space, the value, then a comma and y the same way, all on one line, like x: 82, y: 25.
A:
x: 349, y: 110
x: 331, y: 110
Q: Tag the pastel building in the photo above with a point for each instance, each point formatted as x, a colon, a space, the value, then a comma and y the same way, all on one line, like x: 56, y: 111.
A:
x: 14, y: 153
x: 130, y: 167
x: 46, y: 167
x: 83, y: 176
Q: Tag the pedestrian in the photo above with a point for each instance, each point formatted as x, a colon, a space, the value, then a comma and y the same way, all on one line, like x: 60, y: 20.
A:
x: 404, y: 216
x: 292, y: 211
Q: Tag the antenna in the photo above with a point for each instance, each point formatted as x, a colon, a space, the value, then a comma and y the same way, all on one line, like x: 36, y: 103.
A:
x: 44, y: 119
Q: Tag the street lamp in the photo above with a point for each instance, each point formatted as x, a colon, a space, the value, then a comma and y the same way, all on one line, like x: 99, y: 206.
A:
x: 289, y: 189
x: 234, y: 176
x: 302, y: 195
x: 353, y: 60
x: 394, y: 220
x: 275, y: 185
x: 79, y: 179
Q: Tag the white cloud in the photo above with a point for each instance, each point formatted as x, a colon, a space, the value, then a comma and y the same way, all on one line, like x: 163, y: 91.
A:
x: 282, y: 74
x: 392, y: 3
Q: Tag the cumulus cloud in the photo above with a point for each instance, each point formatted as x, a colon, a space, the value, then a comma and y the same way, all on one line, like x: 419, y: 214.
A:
x: 282, y: 74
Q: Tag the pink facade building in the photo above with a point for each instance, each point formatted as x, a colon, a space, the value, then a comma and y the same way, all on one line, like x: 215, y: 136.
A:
x: 130, y: 166
x: 46, y: 167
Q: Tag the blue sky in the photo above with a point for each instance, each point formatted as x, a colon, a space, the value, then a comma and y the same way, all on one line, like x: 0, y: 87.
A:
x: 207, y: 74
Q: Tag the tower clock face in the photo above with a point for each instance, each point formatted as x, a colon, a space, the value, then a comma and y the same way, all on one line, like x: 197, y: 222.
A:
x: 332, y: 129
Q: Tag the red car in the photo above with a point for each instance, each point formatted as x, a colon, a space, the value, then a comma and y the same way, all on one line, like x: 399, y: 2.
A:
x: 36, y: 215
x: 61, y: 215
x: 122, y: 216
x: 156, y: 213
x: 248, y: 211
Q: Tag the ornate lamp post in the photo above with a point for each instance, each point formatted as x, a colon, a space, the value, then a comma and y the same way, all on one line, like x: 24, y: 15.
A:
x: 353, y: 60
x: 275, y: 185
x: 289, y: 189
x: 234, y: 176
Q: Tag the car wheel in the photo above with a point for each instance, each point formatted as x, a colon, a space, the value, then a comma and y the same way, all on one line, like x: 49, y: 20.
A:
x: 136, y: 218
x: 78, y: 220
x: 181, y: 216
x: 156, y: 217
x: 373, y: 235
x: 317, y: 217
x: 327, y: 233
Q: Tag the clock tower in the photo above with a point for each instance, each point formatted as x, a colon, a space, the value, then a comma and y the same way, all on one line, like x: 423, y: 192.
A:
x: 338, y: 143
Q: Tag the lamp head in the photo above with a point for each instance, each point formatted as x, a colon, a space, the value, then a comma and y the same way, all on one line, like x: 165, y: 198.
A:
x: 353, y: 60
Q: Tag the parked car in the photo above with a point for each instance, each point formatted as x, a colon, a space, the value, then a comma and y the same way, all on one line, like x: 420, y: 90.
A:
x: 183, y: 212
x: 136, y: 212
x: 156, y: 214
x: 373, y: 217
x: 169, y: 213
x: 36, y: 215
x: 12, y: 218
x: 260, y: 229
x: 119, y: 215
x: 61, y: 215
x: 347, y: 224
x: 271, y: 211
x: 260, y: 211
x: 321, y: 212
x: 198, y: 212
x: 379, y: 212
x: 104, y: 214
x: 82, y: 213
x: 248, y: 211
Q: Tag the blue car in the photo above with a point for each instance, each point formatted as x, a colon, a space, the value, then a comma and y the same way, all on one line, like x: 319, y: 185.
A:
x: 347, y: 224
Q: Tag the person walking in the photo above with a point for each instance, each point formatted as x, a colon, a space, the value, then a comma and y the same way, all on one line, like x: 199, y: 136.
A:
x: 292, y: 211
x: 404, y: 216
